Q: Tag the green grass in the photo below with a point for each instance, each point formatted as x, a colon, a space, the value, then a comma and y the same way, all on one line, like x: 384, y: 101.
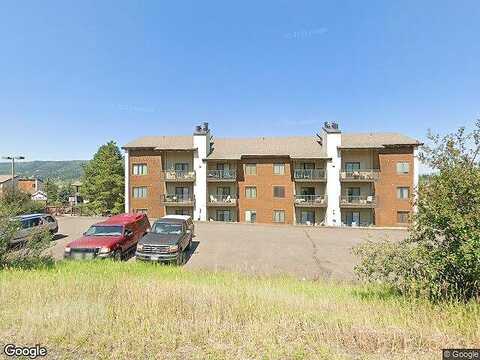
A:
x: 134, y: 310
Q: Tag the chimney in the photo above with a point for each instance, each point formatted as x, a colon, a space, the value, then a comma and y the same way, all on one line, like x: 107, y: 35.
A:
x: 332, y: 140
x: 202, y: 144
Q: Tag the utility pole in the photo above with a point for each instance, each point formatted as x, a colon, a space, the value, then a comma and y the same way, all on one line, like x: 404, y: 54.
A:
x: 13, y: 158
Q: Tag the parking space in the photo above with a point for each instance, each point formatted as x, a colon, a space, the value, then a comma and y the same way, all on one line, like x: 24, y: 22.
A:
x: 304, y: 252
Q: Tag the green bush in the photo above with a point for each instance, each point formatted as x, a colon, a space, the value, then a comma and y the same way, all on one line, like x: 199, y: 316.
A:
x: 440, y: 258
x: 31, y: 253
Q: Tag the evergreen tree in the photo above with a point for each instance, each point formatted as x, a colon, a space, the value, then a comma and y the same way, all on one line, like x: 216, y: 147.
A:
x: 103, y: 182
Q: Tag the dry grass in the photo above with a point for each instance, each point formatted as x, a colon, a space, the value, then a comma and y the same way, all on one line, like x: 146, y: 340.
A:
x: 132, y: 310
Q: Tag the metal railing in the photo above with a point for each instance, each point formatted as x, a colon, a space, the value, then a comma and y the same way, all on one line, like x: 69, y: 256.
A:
x: 174, y: 175
x: 221, y: 174
x: 364, y: 200
x: 177, y: 198
x: 362, y: 174
x: 222, y: 199
x: 309, y: 174
x: 311, y: 199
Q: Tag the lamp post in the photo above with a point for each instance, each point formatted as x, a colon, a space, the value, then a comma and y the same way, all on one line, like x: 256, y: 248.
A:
x: 13, y: 158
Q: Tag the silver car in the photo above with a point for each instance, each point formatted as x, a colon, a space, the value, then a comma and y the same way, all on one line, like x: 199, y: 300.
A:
x: 28, y: 223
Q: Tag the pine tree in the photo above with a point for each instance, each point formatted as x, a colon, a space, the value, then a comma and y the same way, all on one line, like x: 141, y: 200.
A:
x: 103, y: 182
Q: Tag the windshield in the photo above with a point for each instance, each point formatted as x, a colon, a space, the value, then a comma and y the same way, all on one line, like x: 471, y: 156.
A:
x: 104, y: 231
x: 166, y: 228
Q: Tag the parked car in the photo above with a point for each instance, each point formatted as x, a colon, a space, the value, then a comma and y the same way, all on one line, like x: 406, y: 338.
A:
x: 112, y: 238
x: 32, y: 222
x: 187, y: 218
x: 166, y: 242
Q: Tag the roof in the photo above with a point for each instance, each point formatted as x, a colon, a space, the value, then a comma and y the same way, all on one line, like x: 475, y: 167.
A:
x: 296, y: 147
x: 375, y: 140
x: 170, y: 220
x: 77, y: 183
x: 293, y: 146
x: 162, y: 143
x: 181, y: 217
x: 121, y: 219
x: 4, y: 178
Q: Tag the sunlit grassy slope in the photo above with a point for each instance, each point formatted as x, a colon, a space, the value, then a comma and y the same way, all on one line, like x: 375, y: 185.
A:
x: 134, y: 310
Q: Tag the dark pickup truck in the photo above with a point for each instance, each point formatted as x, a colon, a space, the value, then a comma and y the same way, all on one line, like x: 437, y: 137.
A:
x: 166, y: 242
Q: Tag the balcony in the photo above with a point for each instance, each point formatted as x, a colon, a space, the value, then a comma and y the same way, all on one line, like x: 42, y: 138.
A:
x: 363, y: 175
x: 178, y: 176
x: 309, y: 175
x: 221, y: 175
x: 222, y: 200
x: 369, y: 201
x: 311, y: 200
x: 177, y: 200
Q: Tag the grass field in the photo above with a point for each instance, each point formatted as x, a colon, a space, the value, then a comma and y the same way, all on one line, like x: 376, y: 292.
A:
x: 134, y: 310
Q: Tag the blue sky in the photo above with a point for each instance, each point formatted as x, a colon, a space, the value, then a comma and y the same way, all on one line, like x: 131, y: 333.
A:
x: 75, y: 74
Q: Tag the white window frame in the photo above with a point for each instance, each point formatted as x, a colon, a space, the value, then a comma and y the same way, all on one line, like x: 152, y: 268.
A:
x: 403, y: 167
x: 251, y: 166
x: 248, y: 192
x: 137, y: 167
x: 139, y: 192
x: 401, y: 193
x: 281, y: 216
x: 279, y: 169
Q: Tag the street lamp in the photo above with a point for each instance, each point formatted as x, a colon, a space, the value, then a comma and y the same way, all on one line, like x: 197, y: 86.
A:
x: 13, y: 158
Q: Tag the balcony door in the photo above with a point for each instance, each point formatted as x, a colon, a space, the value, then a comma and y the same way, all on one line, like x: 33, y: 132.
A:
x: 183, y: 167
x: 353, y: 194
x: 351, y: 167
x: 308, y: 166
x: 307, y: 191
x: 353, y: 218
x: 182, y: 193
x: 307, y: 217
x: 223, y: 215
x: 223, y: 166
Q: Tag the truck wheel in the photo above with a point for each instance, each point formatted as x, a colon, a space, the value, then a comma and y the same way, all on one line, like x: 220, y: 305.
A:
x: 117, y: 255
x: 181, y: 258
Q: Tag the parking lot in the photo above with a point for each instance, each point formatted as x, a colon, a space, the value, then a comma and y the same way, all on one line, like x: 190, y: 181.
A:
x: 304, y: 252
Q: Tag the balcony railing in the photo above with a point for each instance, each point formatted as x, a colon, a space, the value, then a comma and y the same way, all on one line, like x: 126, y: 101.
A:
x: 358, y: 201
x: 311, y: 200
x: 309, y: 174
x: 180, y: 176
x: 222, y: 200
x: 221, y: 175
x: 177, y: 199
x: 359, y: 175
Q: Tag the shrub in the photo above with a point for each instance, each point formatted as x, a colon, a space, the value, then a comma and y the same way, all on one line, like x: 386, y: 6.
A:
x: 440, y: 258
x: 28, y: 254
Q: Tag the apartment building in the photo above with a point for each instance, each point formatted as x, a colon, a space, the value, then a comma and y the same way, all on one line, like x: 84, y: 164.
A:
x: 331, y: 178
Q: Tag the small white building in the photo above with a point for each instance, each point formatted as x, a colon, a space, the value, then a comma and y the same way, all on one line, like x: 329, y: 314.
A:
x: 39, y: 196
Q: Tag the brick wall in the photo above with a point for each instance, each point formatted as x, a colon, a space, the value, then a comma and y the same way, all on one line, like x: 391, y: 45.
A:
x: 264, y: 181
x: 152, y: 181
x: 387, y: 184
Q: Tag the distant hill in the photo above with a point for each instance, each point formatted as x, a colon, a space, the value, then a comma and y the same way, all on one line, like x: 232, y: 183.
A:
x: 58, y: 170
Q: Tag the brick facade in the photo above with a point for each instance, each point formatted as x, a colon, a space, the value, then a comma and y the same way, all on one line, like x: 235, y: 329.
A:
x: 152, y: 181
x: 387, y: 184
x: 264, y: 181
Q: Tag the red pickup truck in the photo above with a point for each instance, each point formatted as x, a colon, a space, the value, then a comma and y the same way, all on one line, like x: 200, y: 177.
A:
x: 112, y: 238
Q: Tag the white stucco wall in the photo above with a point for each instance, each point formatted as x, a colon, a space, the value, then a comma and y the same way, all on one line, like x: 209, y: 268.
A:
x: 333, y: 142
x: 202, y: 144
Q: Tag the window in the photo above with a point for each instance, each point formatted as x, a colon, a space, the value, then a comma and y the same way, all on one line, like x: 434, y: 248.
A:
x: 403, y: 167
x: 181, y: 167
x: 223, y: 215
x: 279, y: 169
x: 251, y: 192
x: 251, y: 216
x: 251, y: 169
x: 139, y: 192
x: 403, y: 217
x: 279, y: 191
x: 223, y: 191
x: 279, y: 216
x: 403, y: 193
x: 139, y: 169
x: 141, y: 211
x: 182, y: 193
x: 352, y: 166
x: 182, y: 212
